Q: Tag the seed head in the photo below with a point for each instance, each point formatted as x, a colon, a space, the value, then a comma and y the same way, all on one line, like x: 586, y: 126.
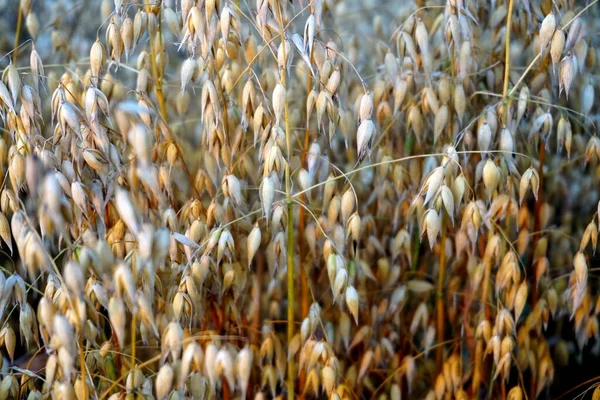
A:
x: 365, y: 110
x: 547, y: 31
x: 557, y: 47
x: 364, y: 138
x: 575, y: 34
x: 352, y: 302
x: 243, y: 369
x: 567, y: 71
x: 491, y: 177
x: 432, y: 225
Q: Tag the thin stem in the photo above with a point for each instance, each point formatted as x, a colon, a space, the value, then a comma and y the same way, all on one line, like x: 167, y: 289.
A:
x: 82, y: 360
x: 415, y: 357
x: 163, y: 111
x: 157, y: 78
x: 158, y: 81
x: 17, y: 34
x: 225, y: 386
x: 222, y: 94
x: 133, y: 336
x: 538, y: 56
x: 507, y: 60
x: 290, y: 221
x: 304, y: 295
x: 440, y: 302
x: 290, y: 284
x: 538, y: 217
x: 260, y: 266
x: 485, y: 290
x: 301, y: 228
x: 476, y: 382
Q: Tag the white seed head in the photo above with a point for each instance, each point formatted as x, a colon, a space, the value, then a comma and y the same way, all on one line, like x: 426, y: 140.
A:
x: 547, y: 31
x: 587, y: 99
x: 484, y: 137
x: 267, y: 195
x: 74, y: 279
x: 225, y: 366
x: 575, y: 34
x: 491, y: 177
x: 278, y: 102
x: 567, y: 71
x: 432, y: 225
x: 118, y: 318
x: 522, y: 102
x: 126, y: 210
x: 365, y: 110
x: 364, y: 138
x: 557, y: 47
x: 164, y: 381
x: 243, y: 369
x: 352, y: 302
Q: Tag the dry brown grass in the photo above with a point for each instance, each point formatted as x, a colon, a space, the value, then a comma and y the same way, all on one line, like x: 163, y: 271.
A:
x: 396, y: 201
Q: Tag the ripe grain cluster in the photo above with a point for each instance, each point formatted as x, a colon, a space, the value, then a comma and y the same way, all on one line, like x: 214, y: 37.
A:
x: 316, y: 198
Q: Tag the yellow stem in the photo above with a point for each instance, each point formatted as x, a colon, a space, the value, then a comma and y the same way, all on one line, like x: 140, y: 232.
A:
x: 225, y: 108
x: 507, y: 60
x: 17, y: 35
x: 304, y: 302
x: 440, y: 302
x: 537, y: 222
x: 485, y: 288
x: 82, y: 360
x: 157, y: 78
x: 163, y: 110
x: 476, y: 382
x: 158, y: 81
x: 290, y: 222
x: 133, y: 339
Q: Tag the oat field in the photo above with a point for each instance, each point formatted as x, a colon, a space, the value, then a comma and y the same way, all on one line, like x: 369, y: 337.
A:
x: 299, y: 199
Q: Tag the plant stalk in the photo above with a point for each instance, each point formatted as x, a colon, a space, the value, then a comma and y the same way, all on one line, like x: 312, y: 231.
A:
x: 537, y: 223
x: 439, y: 354
x: 304, y: 295
x: 17, y: 35
x: 157, y: 78
x: 163, y: 110
x: 476, y: 382
x: 158, y: 82
x: 290, y: 220
x: 485, y: 288
x: 301, y: 223
x: 82, y: 359
x: 507, y: 60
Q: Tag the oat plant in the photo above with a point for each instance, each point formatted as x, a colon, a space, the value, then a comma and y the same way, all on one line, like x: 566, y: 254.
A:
x: 304, y: 199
